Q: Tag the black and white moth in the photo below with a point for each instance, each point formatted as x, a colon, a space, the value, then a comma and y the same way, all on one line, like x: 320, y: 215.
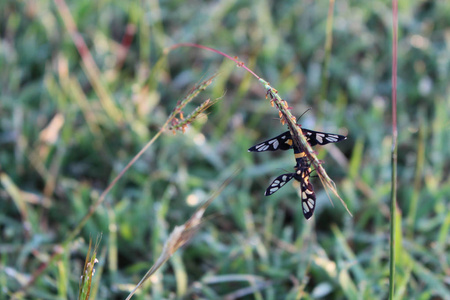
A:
x: 301, y: 174
x: 284, y: 140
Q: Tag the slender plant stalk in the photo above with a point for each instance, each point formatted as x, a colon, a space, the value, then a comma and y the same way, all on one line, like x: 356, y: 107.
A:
x: 178, y: 109
x: 394, y: 150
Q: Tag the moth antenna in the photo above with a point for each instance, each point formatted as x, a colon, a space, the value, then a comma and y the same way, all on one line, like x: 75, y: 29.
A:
x: 303, y: 114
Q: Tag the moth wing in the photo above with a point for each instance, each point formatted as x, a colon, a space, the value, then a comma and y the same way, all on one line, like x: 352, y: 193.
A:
x: 307, y: 194
x: 321, y: 138
x: 278, y: 183
x: 280, y: 142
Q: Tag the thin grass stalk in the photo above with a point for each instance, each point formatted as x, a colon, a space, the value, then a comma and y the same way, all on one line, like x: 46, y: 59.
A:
x: 394, y: 151
x: 181, y: 104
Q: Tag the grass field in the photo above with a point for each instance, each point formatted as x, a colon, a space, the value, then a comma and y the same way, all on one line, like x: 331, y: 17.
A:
x: 85, y: 85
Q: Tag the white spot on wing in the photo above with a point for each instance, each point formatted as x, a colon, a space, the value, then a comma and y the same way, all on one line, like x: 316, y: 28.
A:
x: 275, y: 143
x: 305, y: 207
x: 319, y: 137
x: 332, y: 138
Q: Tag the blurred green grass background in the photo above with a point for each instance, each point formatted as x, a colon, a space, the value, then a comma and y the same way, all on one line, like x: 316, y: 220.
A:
x: 60, y: 147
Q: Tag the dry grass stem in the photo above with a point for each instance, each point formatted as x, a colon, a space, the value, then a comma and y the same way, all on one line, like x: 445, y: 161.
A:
x: 181, y: 235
